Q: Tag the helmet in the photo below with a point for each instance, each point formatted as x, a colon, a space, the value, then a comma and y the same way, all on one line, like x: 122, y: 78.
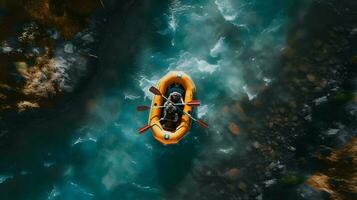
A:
x: 175, y: 97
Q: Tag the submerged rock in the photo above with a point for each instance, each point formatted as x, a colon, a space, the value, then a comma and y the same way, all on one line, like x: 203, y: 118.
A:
x: 242, y: 186
x: 69, y: 48
x: 332, y: 131
x: 88, y: 38
x: 25, y: 105
x: 292, y: 179
x: 234, y: 128
x: 311, y: 77
x: 232, y: 174
x: 270, y: 182
x: 320, y: 100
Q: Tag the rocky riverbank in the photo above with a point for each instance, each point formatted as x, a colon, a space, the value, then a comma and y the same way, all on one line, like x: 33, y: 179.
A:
x: 45, y: 47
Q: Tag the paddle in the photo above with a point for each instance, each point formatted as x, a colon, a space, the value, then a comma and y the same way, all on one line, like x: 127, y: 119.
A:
x: 200, y: 122
x: 154, y: 90
x: 143, y: 108
x: 192, y: 103
x: 146, y: 127
x: 143, y: 129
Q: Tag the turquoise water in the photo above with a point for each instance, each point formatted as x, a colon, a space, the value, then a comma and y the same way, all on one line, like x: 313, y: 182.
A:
x: 91, y: 149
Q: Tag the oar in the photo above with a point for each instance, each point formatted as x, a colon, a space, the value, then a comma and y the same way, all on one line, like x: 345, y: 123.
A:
x: 143, y: 108
x: 145, y: 128
x: 199, y: 121
x: 192, y: 103
x: 155, y: 91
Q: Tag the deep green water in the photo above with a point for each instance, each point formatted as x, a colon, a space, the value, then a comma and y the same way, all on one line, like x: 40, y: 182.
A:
x: 91, y: 150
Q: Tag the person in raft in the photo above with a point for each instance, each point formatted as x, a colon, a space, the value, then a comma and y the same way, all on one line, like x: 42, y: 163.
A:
x: 170, y: 111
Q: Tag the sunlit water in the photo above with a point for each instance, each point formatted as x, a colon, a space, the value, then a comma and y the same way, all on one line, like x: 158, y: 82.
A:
x: 225, y: 45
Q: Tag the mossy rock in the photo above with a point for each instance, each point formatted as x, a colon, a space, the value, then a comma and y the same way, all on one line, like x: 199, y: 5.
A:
x: 21, y: 66
x: 342, y: 97
x: 292, y: 179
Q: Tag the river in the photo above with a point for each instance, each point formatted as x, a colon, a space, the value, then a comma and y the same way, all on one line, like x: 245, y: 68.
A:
x: 90, y: 149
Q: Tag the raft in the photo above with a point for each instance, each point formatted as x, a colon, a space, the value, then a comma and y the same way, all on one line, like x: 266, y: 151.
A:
x: 173, y: 81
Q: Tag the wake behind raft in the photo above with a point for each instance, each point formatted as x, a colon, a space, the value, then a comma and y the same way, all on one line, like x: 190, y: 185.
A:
x: 171, y: 109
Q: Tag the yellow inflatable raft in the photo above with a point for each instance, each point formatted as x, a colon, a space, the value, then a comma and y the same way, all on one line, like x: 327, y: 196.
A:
x: 174, y: 79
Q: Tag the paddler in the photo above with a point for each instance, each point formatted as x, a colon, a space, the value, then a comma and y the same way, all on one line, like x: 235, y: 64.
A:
x: 170, y: 111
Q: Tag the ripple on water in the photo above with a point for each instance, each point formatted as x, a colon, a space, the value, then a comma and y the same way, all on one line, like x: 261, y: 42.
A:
x: 69, y: 190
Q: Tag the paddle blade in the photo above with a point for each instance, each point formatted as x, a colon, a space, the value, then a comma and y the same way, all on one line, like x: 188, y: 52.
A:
x: 194, y: 103
x: 143, y: 129
x: 142, y: 108
x: 154, y: 90
x: 202, y: 123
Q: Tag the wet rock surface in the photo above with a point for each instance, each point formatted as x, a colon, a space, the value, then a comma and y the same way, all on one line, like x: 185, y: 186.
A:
x: 36, y: 66
x: 338, y: 175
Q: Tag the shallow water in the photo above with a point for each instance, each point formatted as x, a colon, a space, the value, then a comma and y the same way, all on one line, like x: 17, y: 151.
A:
x: 93, y: 151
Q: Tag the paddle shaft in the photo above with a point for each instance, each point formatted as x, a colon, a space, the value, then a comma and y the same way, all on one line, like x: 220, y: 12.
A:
x: 179, y: 108
x: 146, y: 127
x: 192, y: 103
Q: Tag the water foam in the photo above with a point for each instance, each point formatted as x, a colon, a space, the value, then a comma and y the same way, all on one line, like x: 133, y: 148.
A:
x: 226, y: 9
